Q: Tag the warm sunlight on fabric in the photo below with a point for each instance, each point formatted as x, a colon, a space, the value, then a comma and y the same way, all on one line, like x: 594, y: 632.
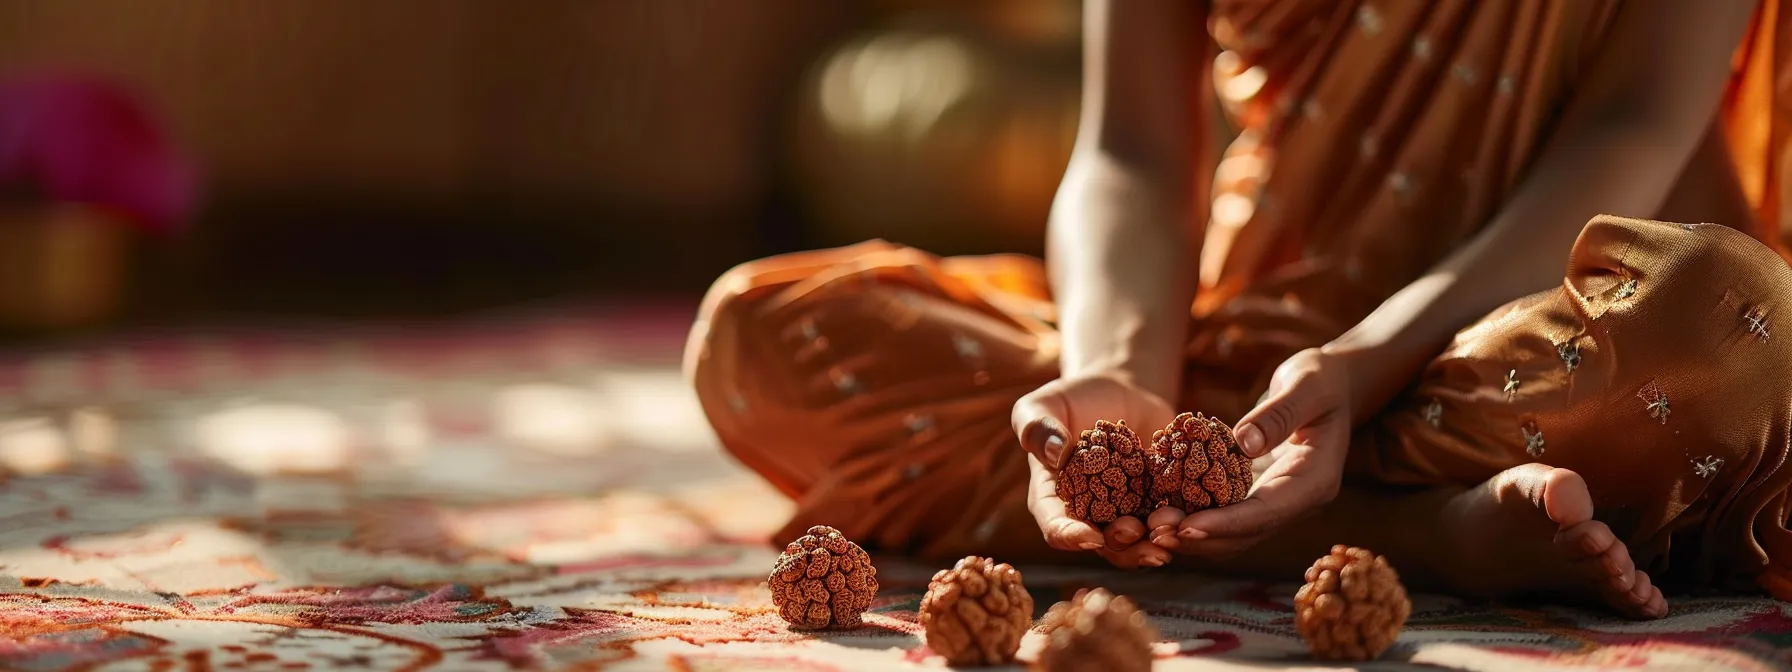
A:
x: 276, y: 438
x: 551, y: 418
x: 32, y: 446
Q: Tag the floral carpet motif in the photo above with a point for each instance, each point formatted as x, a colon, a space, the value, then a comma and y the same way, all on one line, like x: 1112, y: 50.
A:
x: 536, y: 492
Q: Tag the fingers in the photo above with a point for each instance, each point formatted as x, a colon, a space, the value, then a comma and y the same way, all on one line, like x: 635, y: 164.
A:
x: 1251, y: 517
x: 1124, y: 532
x: 1061, y: 531
x: 1163, y: 524
x: 1039, y: 420
x: 1139, y: 555
x: 1295, y: 400
x: 1285, y: 492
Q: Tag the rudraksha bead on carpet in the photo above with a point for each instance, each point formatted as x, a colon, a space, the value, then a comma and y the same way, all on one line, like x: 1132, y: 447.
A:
x: 822, y: 580
x: 1096, y: 630
x: 1352, y: 606
x: 976, y: 612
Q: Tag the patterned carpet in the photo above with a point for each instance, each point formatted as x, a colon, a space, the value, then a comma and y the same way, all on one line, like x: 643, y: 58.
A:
x: 532, y: 492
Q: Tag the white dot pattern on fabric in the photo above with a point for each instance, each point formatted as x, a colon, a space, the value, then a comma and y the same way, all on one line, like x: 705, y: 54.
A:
x: 917, y: 423
x: 1465, y: 73
x: 1421, y: 48
x: 1368, y: 20
x: 845, y: 381
x: 967, y: 347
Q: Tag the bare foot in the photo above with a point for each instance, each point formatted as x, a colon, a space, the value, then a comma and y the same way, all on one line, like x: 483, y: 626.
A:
x: 1531, y: 529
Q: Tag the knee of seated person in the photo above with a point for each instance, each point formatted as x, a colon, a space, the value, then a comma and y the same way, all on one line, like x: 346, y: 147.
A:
x: 1689, y: 256
x: 728, y: 304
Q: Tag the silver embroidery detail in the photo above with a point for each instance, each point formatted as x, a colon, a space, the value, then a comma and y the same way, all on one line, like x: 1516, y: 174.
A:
x: 1368, y: 20
x: 967, y: 347
x: 809, y: 330
x: 918, y: 423
x: 1658, y: 407
x: 1512, y: 382
x: 1707, y: 466
x: 1421, y: 48
x: 1506, y: 85
x: 1369, y: 146
x: 1757, y: 323
x: 1434, y: 413
x: 986, y: 530
x: 845, y: 382
x: 1627, y: 289
x: 1401, y: 182
x: 1570, y: 354
x: 1533, y: 440
x: 1465, y: 72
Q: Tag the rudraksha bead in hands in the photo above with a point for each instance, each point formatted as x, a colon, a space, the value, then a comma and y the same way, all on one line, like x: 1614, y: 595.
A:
x: 1096, y: 631
x: 1196, y: 464
x: 1105, y: 476
x: 976, y: 612
x: 823, y: 581
x: 1352, y: 606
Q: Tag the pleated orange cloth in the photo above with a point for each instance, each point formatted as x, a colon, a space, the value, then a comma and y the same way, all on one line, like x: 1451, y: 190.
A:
x: 873, y: 383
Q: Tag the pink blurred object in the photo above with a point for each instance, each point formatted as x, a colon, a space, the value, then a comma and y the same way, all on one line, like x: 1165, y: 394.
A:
x: 82, y: 140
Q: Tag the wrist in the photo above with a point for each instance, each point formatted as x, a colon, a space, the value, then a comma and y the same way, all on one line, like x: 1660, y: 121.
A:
x: 1359, y: 365
x: 1149, y: 374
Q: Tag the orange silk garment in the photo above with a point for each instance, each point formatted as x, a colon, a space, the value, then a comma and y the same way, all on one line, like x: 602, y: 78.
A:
x: 873, y: 383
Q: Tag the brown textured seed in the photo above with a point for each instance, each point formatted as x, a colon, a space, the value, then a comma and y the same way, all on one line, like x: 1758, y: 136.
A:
x: 976, y: 612
x: 1352, y: 606
x: 1105, y: 476
x: 823, y: 581
x: 1096, y: 631
x: 1196, y: 464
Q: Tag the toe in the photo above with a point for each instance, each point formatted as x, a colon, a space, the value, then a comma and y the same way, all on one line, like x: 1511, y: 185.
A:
x: 1589, y: 539
x: 1643, y: 600
x: 1618, y: 565
x: 1643, y: 590
x: 1566, y: 499
x: 1657, y: 606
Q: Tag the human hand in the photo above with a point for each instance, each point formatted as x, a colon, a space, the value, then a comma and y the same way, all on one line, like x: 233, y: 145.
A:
x: 1305, y: 421
x: 1043, y: 420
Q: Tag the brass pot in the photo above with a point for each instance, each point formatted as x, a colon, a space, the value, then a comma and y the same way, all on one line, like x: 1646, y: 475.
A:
x: 61, y: 266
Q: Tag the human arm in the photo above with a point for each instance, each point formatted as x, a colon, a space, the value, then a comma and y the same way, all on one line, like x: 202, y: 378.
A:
x: 1123, y: 242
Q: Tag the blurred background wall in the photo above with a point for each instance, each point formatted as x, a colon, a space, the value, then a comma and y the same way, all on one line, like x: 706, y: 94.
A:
x: 427, y: 156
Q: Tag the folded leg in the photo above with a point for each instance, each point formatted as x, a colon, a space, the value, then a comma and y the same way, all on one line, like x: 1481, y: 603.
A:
x: 873, y: 385
x: 1655, y: 372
